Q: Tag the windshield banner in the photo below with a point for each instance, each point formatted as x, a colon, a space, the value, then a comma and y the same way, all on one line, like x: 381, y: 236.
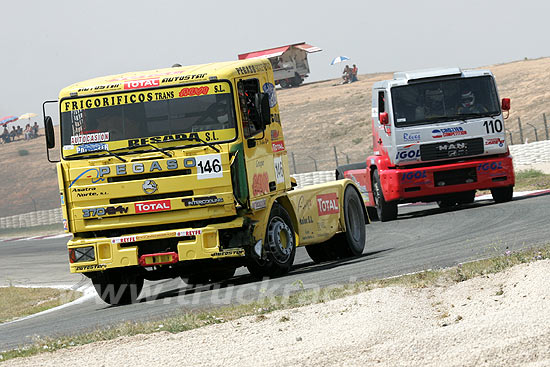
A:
x: 120, y: 99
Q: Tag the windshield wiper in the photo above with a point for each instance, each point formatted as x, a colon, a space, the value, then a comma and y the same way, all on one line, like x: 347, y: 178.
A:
x: 191, y: 138
x: 109, y: 152
x: 162, y: 150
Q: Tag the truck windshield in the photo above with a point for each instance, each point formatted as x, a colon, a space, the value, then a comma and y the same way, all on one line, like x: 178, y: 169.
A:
x: 447, y: 100
x: 203, y: 112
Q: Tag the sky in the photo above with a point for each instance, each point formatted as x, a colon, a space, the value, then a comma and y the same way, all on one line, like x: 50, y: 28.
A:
x: 47, y: 45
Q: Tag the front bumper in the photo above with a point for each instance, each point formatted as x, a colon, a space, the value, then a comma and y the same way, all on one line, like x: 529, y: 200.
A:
x: 412, y: 184
x: 190, y: 244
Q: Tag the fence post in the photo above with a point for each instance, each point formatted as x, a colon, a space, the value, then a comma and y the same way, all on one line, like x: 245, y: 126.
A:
x: 511, y: 139
x: 534, y: 128
x: 314, y: 162
x: 520, y: 131
x: 294, y: 162
x: 335, y: 155
x: 347, y: 157
x: 545, y: 125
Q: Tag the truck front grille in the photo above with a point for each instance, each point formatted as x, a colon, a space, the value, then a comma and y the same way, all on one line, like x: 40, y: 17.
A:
x: 449, y: 150
x: 168, y: 195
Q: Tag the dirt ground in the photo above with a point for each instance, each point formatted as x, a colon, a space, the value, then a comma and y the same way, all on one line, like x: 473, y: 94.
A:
x: 495, y: 320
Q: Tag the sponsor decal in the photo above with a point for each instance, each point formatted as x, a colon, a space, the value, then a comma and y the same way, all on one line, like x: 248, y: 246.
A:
x: 68, y: 147
x: 149, y: 187
x: 90, y: 267
x: 130, y: 97
x: 91, y: 147
x: 275, y: 117
x: 260, y: 184
x: 408, y: 155
x: 189, y: 232
x: 409, y: 176
x: 306, y: 220
x: 274, y: 134
x: 206, y: 200
x: 251, y: 69
x: 125, y: 239
x: 144, y: 83
x: 411, y: 137
x: 258, y: 204
x: 92, y: 173
x: 194, y: 91
x: 489, y: 166
x: 84, y: 192
x: 89, y: 138
x: 269, y: 88
x: 278, y: 146
x: 152, y: 206
x: 448, y: 131
x: 229, y: 252
x: 153, y: 236
x: 494, y: 141
x: 62, y: 199
x: 327, y: 204
x: 304, y: 204
x: 279, y: 171
x: 65, y: 225
x: 100, y: 88
x: 100, y: 212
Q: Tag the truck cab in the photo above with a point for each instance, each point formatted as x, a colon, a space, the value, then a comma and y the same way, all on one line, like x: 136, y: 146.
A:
x: 438, y: 135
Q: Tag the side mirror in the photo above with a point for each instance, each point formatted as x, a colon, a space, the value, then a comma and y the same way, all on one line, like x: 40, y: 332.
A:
x: 506, y: 104
x: 50, y: 136
x: 384, y: 120
x: 261, y: 101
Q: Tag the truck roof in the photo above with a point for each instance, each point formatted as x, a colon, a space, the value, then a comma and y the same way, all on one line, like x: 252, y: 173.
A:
x: 278, y: 51
x: 165, y: 77
x: 408, y: 77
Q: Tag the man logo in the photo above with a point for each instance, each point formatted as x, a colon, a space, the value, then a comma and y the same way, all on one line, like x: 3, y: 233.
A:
x: 149, y: 187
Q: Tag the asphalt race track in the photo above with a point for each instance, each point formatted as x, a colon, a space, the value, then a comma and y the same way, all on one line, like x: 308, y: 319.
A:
x: 423, y: 237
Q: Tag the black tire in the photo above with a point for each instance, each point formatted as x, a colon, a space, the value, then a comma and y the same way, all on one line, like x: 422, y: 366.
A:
x: 373, y: 213
x: 354, y: 216
x: 446, y: 203
x: 284, y: 83
x: 386, y: 210
x: 321, y: 252
x: 466, y: 197
x: 118, y: 286
x: 212, y: 276
x: 502, y: 194
x: 279, y: 246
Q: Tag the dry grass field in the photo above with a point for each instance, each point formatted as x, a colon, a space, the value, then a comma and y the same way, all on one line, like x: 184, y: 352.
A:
x: 316, y: 117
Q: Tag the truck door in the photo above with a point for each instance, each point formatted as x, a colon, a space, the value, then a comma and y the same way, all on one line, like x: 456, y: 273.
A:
x: 382, y: 137
x: 260, y: 165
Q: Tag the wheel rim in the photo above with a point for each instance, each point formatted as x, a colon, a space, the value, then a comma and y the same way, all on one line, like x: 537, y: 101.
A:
x: 280, y: 239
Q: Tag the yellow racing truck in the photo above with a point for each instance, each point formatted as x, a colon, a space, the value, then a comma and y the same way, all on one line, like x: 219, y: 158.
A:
x: 183, y: 172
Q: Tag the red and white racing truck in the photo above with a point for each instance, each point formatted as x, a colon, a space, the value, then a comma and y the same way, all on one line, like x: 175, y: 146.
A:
x: 438, y: 135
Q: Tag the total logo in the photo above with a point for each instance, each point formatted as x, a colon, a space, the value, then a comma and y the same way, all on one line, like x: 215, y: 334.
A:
x: 413, y: 175
x: 327, y: 204
x: 138, y: 84
x: 449, y: 131
x: 152, y: 206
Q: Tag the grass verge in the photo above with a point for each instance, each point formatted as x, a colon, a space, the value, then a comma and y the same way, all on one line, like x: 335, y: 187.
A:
x: 18, y: 302
x: 531, y: 179
x: 195, y: 319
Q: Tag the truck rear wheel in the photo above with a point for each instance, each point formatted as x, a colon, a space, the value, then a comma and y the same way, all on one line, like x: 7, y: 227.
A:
x: 386, y: 210
x: 118, y: 286
x: 350, y: 243
x: 279, y: 246
x: 502, y: 194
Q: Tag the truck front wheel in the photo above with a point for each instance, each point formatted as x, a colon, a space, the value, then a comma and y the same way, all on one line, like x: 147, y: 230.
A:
x: 502, y: 194
x: 386, y: 210
x: 118, y: 286
x: 279, y: 246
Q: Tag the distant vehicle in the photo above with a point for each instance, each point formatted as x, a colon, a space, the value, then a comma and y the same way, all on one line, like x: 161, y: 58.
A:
x: 290, y: 65
x: 438, y: 135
